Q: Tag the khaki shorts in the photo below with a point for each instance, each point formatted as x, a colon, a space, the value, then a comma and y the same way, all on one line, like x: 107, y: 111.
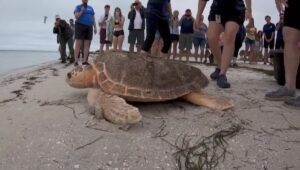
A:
x: 186, y: 41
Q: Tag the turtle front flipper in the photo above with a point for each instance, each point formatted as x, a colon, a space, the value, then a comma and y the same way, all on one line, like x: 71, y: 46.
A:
x: 212, y: 102
x: 113, y: 108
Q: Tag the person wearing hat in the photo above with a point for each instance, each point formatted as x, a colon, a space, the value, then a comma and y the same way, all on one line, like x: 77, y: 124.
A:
x: 84, y: 26
x: 65, y: 36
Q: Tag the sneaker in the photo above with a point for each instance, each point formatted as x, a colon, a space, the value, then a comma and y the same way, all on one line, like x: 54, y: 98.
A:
x: 294, y: 103
x: 85, y: 63
x: 215, y: 74
x: 222, y: 82
x: 282, y: 94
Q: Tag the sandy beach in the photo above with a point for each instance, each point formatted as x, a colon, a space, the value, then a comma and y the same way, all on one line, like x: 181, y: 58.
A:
x: 46, y: 125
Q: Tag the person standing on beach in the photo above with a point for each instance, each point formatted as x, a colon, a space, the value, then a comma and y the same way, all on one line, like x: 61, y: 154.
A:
x: 228, y: 14
x: 269, y: 35
x: 118, y: 37
x: 199, y: 40
x: 174, y: 31
x: 250, y: 41
x: 136, y: 27
x: 65, y: 36
x: 158, y: 14
x: 104, y: 29
x: 85, y: 21
x: 291, y: 36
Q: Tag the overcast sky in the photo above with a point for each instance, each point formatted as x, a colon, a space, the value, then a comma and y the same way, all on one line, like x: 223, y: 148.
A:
x: 22, y: 26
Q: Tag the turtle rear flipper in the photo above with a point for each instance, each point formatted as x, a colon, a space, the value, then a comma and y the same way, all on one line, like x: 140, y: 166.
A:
x: 212, y: 102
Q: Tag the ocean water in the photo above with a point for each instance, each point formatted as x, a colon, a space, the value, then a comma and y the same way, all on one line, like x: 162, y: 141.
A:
x: 11, y: 60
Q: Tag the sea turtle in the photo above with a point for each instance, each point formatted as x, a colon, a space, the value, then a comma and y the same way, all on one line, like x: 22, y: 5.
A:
x: 117, y: 77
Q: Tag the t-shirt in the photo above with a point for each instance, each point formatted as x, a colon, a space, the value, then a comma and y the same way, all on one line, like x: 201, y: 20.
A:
x: 187, y: 26
x: 202, y: 31
x: 87, y: 17
x: 251, y: 33
x: 158, y: 8
x: 138, y: 21
x: 268, y: 30
x: 279, y: 31
x: 174, y: 26
x: 240, y: 35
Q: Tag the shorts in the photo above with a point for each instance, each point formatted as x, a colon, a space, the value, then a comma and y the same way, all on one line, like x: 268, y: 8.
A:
x: 174, y: 37
x: 186, y: 41
x: 291, y: 14
x: 233, y: 10
x: 136, y: 37
x: 118, y: 33
x: 199, y: 42
x: 269, y: 44
x: 250, y: 42
x: 103, y: 37
x: 83, y: 32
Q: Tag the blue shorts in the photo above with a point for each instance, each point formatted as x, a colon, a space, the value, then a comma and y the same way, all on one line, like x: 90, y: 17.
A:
x: 199, y: 42
x: 248, y: 41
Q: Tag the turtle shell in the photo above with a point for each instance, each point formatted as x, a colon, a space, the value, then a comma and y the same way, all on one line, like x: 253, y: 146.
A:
x: 143, y: 78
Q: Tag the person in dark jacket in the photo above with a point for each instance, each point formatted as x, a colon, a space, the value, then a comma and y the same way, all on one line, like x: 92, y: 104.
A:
x: 65, y: 36
x: 136, y: 27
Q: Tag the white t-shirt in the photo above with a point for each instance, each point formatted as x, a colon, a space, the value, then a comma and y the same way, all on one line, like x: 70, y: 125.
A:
x: 138, y: 20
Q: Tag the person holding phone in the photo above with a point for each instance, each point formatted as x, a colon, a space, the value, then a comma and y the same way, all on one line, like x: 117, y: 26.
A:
x: 104, y: 24
x: 228, y: 15
x: 84, y: 26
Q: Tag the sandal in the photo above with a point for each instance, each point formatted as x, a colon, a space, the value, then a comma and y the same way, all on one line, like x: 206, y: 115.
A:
x: 85, y: 63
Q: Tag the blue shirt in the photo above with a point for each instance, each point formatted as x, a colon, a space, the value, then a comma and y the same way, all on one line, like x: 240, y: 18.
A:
x: 269, y: 29
x: 158, y: 8
x: 87, y: 17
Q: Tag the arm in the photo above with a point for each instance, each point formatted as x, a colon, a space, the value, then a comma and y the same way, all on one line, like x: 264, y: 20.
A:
x: 280, y: 4
x: 248, y: 9
x: 79, y: 13
x: 122, y: 22
x: 169, y: 8
x: 201, y: 7
x: 95, y: 25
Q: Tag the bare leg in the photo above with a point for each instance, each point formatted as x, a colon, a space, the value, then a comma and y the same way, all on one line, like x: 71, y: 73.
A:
x: 196, y: 54
x: 101, y: 47
x: 201, y: 54
x: 107, y: 46
x: 291, y: 56
x: 115, y: 42
x: 120, y: 42
x: 214, y: 30
x: 266, y: 55
x: 175, y: 49
x: 131, y: 47
x: 138, y: 48
x: 78, y: 44
x: 231, y: 28
x: 188, y: 53
x: 86, y: 49
x: 246, y: 53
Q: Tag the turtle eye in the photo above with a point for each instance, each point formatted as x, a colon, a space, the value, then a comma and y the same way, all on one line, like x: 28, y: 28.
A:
x: 69, y: 75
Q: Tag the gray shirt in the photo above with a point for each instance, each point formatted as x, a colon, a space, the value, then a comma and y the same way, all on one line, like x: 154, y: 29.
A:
x: 201, y: 33
x: 174, y: 26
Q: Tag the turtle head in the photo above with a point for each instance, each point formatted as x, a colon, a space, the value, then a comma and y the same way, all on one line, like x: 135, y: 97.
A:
x: 82, y: 77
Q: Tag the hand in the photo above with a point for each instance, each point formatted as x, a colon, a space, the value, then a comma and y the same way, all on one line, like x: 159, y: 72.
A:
x: 56, y: 24
x: 82, y: 9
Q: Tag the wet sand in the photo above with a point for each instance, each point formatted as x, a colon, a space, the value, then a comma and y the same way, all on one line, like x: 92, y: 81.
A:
x: 45, y: 124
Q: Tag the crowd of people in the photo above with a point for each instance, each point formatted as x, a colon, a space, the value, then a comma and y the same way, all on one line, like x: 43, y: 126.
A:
x: 166, y: 32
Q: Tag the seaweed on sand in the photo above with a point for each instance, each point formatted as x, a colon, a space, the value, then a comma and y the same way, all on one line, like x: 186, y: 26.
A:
x: 206, y: 153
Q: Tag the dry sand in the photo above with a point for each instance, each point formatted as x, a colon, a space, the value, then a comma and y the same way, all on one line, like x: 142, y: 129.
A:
x: 45, y: 125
